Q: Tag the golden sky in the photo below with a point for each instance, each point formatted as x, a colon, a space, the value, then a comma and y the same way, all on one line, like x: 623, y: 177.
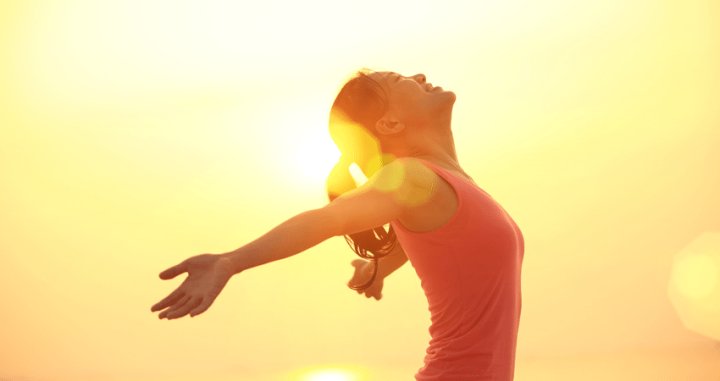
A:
x: 134, y: 134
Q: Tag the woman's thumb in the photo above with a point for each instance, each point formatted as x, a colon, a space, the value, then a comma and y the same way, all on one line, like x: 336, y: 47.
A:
x: 357, y: 263
x: 174, y: 271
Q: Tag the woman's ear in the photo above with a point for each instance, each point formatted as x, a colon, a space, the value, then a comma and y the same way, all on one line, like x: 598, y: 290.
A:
x: 388, y: 125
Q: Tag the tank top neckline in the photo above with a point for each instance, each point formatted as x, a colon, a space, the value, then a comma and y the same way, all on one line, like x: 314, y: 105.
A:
x: 451, y: 171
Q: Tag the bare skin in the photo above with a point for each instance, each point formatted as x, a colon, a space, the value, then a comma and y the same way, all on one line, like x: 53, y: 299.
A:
x: 386, y: 266
x: 416, y: 126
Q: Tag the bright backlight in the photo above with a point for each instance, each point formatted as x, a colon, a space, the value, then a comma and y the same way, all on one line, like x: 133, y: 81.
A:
x: 330, y: 375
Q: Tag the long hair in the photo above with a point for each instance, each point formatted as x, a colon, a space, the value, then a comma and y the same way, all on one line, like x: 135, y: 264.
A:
x: 358, y: 106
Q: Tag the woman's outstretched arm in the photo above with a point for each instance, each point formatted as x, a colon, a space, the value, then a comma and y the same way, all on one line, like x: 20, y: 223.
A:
x: 375, y: 203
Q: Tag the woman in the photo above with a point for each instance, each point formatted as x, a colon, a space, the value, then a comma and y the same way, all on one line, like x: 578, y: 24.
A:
x: 465, y: 248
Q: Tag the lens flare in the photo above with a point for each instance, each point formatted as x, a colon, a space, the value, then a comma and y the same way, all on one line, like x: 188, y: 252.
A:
x: 696, y: 276
x: 694, y: 285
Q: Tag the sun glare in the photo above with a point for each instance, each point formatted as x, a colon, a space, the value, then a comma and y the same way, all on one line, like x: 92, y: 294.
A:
x: 299, y: 137
x: 329, y: 372
x: 357, y: 174
x: 311, y: 157
x: 330, y: 375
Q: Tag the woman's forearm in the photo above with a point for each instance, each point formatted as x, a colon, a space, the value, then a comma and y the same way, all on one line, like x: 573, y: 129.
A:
x: 291, y: 237
x: 391, y: 262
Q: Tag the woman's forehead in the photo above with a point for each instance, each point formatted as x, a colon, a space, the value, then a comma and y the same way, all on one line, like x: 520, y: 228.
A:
x: 381, y: 77
x: 386, y: 74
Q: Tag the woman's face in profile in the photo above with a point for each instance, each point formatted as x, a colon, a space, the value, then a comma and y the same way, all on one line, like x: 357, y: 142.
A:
x: 411, y: 98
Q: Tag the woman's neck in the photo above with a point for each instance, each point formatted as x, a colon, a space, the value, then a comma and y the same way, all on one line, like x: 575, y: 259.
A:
x: 439, y: 148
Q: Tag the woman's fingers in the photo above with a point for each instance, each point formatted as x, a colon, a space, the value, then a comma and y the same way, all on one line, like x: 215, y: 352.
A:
x: 174, y: 271
x: 175, y: 306
x: 369, y: 295
x: 169, y: 300
x: 204, y: 305
x: 374, y: 291
x: 360, y: 275
x: 184, y: 309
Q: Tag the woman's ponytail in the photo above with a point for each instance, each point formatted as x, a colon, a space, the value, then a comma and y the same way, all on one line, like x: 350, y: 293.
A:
x: 358, y: 106
x: 371, y: 244
x: 340, y: 180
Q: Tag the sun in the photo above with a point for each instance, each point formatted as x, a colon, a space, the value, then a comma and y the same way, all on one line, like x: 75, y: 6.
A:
x: 310, y: 156
x: 303, y: 151
x: 329, y: 372
x: 330, y: 375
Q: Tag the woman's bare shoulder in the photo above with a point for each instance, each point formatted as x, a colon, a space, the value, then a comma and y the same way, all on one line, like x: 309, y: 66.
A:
x: 417, y: 173
x: 406, y: 175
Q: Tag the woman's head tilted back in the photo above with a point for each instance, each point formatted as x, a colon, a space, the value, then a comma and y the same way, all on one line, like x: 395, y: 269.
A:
x: 376, y: 117
x: 386, y: 113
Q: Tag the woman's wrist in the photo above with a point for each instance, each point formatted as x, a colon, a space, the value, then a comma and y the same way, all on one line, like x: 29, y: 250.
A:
x: 233, y: 261
x: 391, y: 262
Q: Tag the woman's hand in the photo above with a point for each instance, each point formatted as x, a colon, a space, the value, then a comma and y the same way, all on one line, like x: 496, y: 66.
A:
x: 207, y: 276
x: 363, y: 273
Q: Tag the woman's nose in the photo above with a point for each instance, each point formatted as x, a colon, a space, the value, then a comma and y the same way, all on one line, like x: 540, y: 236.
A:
x: 419, y: 77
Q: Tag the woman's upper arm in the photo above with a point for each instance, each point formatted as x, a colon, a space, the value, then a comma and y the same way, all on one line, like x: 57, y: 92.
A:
x: 383, y: 198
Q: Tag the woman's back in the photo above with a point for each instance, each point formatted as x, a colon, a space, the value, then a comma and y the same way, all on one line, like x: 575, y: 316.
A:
x: 469, y: 268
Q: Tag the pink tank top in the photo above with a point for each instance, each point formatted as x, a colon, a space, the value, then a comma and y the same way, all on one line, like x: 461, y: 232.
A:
x: 469, y: 269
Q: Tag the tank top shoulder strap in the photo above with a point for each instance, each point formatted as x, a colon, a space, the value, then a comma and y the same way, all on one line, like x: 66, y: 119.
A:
x: 445, y: 173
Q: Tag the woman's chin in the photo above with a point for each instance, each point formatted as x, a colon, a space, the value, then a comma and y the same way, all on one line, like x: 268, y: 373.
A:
x: 448, y: 98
